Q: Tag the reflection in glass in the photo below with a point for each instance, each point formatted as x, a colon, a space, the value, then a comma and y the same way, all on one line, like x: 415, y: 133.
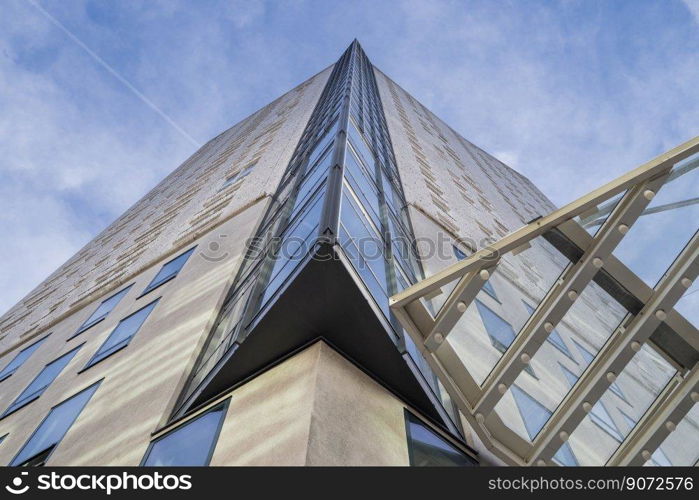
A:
x: 681, y: 447
x: 590, y: 321
x: 169, y: 270
x: 427, y: 448
x: 123, y: 333
x: 53, y: 428
x: 665, y: 227
x: 192, y: 444
x: 20, y: 358
x: 42, y: 381
x: 600, y: 433
x: 521, y: 282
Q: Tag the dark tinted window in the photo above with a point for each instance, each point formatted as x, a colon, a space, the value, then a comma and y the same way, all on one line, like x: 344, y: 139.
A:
x: 427, y: 448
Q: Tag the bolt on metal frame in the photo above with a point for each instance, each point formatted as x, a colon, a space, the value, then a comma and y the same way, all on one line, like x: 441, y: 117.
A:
x: 477, y: 401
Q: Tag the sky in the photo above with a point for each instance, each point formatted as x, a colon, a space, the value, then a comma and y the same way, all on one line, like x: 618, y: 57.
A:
x: 99, y: 100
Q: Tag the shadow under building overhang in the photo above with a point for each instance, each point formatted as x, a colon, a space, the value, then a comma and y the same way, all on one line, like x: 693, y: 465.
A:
x: 322, y: 300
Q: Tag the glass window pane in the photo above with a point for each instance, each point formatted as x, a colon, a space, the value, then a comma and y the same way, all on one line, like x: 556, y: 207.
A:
x: 361, y: 147
x: 429, y: 449
x: 56, y: 424
x: 169, y: 270
x: 363, y: 188
x: 665, y: 227
x: 555, y: 337
x: 20, y: 358
x: 105, y: 307
x: 42, y: 381
x: 189, y: 445
x: 590, y: 321
x: 680, y: 447
x: 688, y: 305
x: 593, y: 219
x: 610, y: 421
x: 295, y: 245
x: 123, y: 333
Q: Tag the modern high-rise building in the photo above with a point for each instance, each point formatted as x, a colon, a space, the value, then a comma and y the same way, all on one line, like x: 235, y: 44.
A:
x: 241, y: 313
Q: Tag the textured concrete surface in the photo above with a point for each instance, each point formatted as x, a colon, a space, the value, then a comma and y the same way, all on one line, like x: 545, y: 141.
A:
x: 186, y: 204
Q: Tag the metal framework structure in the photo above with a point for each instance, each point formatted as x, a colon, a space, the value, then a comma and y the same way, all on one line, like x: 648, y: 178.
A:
x: 587, y: 232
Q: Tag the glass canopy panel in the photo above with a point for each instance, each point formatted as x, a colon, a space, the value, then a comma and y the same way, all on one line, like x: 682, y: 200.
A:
x: 681, y: 447
x: 593, y: 219
x: 492, y: 321
x: 612, y: 418
x: 688, y: 305
x: 667, y: 224
x: 584, y: 329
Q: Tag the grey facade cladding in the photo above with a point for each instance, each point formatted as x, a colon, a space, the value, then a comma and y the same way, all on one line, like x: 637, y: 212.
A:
x: 468, y: 191
x: 186, y: 204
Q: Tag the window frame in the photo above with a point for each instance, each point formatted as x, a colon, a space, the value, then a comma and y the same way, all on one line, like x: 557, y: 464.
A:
x: 87, y: 324
x: 92, y: 362
x: 8, y: 375
x: 49, y: 451
x: 37, y: 394
x: 223, y: 405
x: 153, y: 284
x: 407, y: 414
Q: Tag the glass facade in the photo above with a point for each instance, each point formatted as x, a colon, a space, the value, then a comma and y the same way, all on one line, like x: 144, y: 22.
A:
x: 585, y: 298
x: 340, y: 190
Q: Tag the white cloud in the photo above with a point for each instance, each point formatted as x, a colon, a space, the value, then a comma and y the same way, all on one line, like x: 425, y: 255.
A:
x: 693, y: 6
x: 556, y: 90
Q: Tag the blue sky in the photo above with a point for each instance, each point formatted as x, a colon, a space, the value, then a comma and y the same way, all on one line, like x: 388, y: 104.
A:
x: 570, y: 93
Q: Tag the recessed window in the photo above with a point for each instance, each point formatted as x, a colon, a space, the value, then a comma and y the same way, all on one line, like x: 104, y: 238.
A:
x: 168, y: 271
x: 427, y: 448
x: 103, y: 310
x: 19, y: 359
x: 52, y: 429
x: 191, y: 444
x: 122, y: 334
x: 41, y: 382
x: 238, y: 175
x: 458, y: 253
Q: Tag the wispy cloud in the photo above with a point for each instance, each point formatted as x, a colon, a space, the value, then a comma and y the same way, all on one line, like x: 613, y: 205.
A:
x: 583, y: 89
x: 693, y: 6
